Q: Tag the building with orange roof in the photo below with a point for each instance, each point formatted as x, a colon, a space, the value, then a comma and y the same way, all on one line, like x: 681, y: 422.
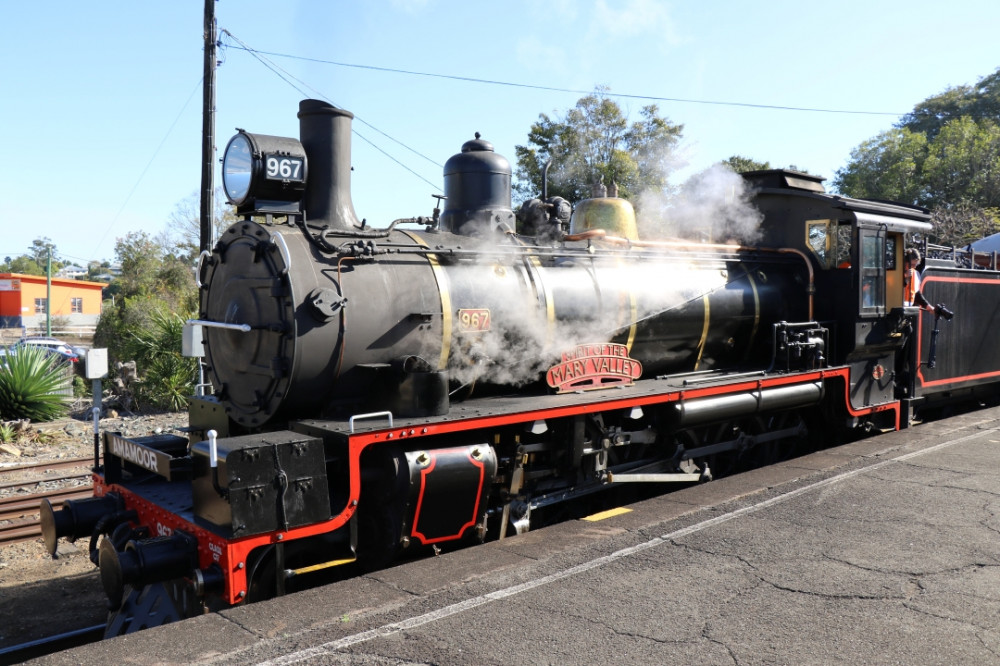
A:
x: 24, y: 302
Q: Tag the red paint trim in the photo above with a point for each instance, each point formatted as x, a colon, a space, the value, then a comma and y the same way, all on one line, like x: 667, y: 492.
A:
x: 920, y: 366
x: 230, y: 555
x: 893, y: 406
x: 957, y: 280
x: 671, y: 395
x: 212, y: 548
x: 424, y: 473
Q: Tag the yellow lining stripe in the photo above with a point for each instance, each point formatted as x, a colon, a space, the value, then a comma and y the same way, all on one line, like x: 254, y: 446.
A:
x: 704, y: 332
x: 756, y: 303
x: 446, y: 315
x: 633, y: 311
x: 550, y: 306
x: 634, y: 319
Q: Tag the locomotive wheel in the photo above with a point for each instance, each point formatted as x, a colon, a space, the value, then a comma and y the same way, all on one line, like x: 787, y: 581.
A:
x: 748, y: 446
x: 262, y: 582
x: 721, y: 464
x: 756, y: 454
x: 790, y: 447
x: 763, y: 446
x: 151, y: 605
x: 378, y: 536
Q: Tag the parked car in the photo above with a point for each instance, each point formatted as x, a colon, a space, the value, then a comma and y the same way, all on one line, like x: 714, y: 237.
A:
x: 63, y: 350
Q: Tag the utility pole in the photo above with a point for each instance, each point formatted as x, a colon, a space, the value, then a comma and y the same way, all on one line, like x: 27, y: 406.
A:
x: 48, y: 293
x: 208, y: 129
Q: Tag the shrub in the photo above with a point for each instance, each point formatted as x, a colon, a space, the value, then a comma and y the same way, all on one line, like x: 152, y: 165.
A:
x: 80, y: 387
x: 119, y: 322
x: 33, y: 385
x: 167, y: 377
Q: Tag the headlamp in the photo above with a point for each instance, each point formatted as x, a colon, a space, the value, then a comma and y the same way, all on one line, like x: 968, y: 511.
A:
x: 264, y: 174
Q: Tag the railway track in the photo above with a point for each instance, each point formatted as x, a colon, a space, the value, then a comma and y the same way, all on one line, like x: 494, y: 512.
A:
x: 15, y: 654
x: 19, y: 515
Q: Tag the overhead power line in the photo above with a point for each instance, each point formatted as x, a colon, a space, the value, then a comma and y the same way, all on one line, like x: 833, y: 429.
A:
x: 651, y: 98
x: 288, y: 78
x: 142, y: 175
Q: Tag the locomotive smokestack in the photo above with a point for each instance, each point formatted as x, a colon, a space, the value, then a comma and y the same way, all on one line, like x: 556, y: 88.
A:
x: 325, y: 133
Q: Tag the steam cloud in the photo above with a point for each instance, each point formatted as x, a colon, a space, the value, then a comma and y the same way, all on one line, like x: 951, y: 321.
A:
x: 712, y: 206
x: 593, y: 304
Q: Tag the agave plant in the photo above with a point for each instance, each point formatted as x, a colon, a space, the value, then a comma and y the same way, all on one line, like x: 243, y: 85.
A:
x: 33, y: 385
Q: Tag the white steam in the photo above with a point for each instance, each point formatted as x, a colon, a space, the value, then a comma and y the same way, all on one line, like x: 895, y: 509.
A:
x: 594, y: 302
x: 712, y: 206
x: 598, y: 299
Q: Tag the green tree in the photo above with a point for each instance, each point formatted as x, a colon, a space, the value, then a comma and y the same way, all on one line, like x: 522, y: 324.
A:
x: 593, y: 142
x: 151, y: 267
x: 944, y: 156
x: 39, y: 253
x: 154, y: 294
x: 888, y: 166
x: 962, y: 224
x: 25, y: 265
x: 963, y: 164
x: 34, y: 261
x: 95, y: 268
x: 168, y: 377
x: 980, y: 101
x: 185, y: 222
x: 39, y: 250
x: 741, y: 164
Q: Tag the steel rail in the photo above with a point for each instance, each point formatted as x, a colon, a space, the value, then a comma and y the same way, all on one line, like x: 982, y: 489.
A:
x: 41, y: 647
x: 25, y: 483
x: 26, y: 502
x: 48, y: 464
x: 24, y: 517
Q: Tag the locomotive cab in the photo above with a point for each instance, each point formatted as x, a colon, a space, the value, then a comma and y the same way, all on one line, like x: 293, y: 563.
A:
x: 856, y: 248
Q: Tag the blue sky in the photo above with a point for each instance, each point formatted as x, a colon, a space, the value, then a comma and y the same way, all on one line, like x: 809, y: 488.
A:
x: 101, y: 101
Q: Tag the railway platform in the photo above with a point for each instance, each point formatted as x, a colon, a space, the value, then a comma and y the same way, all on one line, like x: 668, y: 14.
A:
x: 883, y: 551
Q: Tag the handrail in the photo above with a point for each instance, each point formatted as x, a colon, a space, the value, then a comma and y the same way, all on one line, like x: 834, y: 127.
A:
x: 244, y: 328
x: 370, y: 415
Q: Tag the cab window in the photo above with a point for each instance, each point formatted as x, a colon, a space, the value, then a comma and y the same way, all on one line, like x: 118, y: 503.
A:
x: 830, y: 242
x: 844, y: 234
x: 818, y: 240
x: 878, y: 254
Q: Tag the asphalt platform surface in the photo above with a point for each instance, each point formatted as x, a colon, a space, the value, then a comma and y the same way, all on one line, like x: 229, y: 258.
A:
x: 884, y: 551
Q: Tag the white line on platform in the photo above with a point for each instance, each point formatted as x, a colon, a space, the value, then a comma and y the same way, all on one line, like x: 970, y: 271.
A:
x: 475, y: 602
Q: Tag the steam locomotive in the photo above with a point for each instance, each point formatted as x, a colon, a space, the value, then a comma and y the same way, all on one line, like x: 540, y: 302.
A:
x: 451, y: 378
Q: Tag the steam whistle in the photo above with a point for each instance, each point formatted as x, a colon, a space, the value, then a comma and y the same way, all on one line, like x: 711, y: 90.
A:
x: 940, y: 312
